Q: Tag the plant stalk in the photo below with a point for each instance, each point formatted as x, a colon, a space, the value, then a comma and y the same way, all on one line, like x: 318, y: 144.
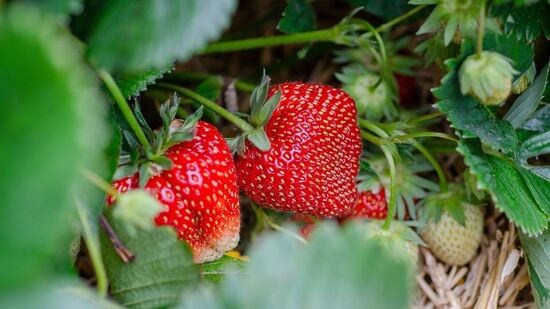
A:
x: 480, y: 29
x: 125, y: 255
x: 324, y: 35
x: 443, y: 186
x: 393, y: 188
x: 124, y: 108
x: 237, y: 121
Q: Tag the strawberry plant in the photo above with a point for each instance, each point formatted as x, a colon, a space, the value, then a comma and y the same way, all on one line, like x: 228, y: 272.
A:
x: 273, y: 154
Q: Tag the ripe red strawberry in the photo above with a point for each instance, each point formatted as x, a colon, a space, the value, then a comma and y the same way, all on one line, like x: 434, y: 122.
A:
x: 199, y: 192
x: 313, y: 159
x: 371, y: 204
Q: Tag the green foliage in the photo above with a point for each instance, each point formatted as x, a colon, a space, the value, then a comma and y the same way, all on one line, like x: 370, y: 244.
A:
x: 54, y: 129
x: 525, y: 22
x: 60, y: 8
x: 298, y: 16
x: 383, y: 9
x: 526, y: 104
x: 216, y: 270
x: 131, y: 84
x: 537, y: 250
x: 56, y: 293
x: 509, y: 191
x: 466, y: 114
x: 165, y: 31
x: 339, y: 268
x: 161, y: 271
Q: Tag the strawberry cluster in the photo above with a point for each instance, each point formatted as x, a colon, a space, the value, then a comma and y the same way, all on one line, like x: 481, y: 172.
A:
x: 302, y: 156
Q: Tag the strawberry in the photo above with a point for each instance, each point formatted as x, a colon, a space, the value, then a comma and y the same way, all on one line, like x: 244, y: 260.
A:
x: 371, y: 204
x: 313, y: 158
x: 306, y: 223
x: 454, y: 228
x: 199, y: 191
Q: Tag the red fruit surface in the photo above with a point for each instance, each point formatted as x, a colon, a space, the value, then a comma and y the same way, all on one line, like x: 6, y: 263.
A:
x: 407, y: 89
x: 199, y: 192
x: 313, y: 161
x: 371, y: 204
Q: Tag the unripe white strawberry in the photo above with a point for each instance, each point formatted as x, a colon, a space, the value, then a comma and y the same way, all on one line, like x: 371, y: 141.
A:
x: 487, y: 77
x: 451, y: 241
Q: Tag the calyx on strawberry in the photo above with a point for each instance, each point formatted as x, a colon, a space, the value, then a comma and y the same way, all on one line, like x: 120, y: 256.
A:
x: 193, y: 175
x: 455, y: 226
x: 312, y: 162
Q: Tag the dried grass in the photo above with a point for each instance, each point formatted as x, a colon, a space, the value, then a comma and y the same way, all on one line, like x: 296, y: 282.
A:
x: 496, y: 278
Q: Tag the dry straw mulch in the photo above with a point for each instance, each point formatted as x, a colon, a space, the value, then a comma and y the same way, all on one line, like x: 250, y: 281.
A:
x: 496, y: 278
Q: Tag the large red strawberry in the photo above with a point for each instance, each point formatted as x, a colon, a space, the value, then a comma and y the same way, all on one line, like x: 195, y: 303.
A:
x: 199, y: 192
x: 371, y: 204
x: 313, y: 159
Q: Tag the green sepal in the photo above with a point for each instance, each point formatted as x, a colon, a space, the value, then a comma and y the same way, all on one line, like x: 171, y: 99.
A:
x: 136, y: 210
x: 261, y: 108
x: 236, y: 144
x: 163, y: 163
x: 258, y: 97
x: 131, y: 139
x: 192, y: 120
x: 259, y: 138
x: 168, y: 111
x: 145, y: 173
x: 450, y: 201
x: 125, y: 171
x: 142, y: 122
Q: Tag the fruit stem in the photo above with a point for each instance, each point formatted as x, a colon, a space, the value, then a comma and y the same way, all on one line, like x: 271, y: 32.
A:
x: 236, y: 120
x: 125, y: 255
x: 92, y: 243
x: 197, y: 77
x: 393, y: 188
x: 365, y: 124
x: 325, y: 35
x: 423, y: 118
x: 371, y: 138
x: 404, y: 137
x: 480, y: 29
x: 99, y: 182
x: 262, y: 217
x: 124, y: 108
x: 443, y: 186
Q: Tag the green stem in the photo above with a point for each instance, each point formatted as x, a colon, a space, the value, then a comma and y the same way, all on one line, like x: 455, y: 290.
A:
x: 371, y: 126
x: 197, y: 77
x: 124, y: 108
x: 240, y: 123
x: 443, y: 186
x: 480, y: 29
x: 324, y: 35
x: 413, y: 135
x: 92, y: 243
x: 262, y: 217
x: 99, y: 182
x: 423, y: 118
x: 371, y: 138
x: 393, y: 188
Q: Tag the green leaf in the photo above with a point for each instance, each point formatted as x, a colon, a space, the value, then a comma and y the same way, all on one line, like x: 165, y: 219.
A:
x: 133, y: 36
x: 216, y: 270
x: 282, y: 273
x: 53, y: 128
x: 525, y: 22
x: 539, y: 121
x: 384, y: 9
x: 259, y: 139
x: 536, y: 145
x: 508, y: 189
x: 528, y: 102
x: 540, y: 189
x: 60, y: 8
x: 159, y: 274
x: 131, y: 84
x: 54, y: 294
x: 467, y: 114
x: 298, y: 16
x: 537, y: 251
